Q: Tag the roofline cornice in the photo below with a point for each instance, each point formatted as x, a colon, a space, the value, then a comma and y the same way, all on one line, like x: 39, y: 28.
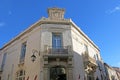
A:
x: 83, y: 34
x: 48, y: 21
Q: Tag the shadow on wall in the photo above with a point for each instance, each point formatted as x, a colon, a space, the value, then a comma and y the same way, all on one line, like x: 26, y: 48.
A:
x: 78, y: 69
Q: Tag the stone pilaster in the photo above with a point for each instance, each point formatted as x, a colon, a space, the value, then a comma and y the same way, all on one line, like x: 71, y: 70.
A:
x: 46, y: 74
x: 70, y: 73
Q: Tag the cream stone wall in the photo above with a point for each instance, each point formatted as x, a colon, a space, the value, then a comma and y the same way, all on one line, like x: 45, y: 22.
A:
x: 48, y: 29
x: 46, y: 39
x: 11, y: 59
x: 78, y: 41
x: 39, y: 37
x: 36, y: 39
x: 33, y: 43
x: 112, y: 73
x: 77, y: 51
x: 13, y: 55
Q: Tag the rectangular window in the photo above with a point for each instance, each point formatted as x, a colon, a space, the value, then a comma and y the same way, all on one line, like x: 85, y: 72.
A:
x: 56, y: 40
x: 3, y: 61
x: 97, y: 56
x: 23, y: 51
x: 86, y: 48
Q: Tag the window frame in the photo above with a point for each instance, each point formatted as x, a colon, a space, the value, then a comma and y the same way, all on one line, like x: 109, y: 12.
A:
x: 23, y: 52
x: 3, y: 61
x: 56, y: 44
x: 20, y: 77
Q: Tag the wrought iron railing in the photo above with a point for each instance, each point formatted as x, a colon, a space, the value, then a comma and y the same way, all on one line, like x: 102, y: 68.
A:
x: 60, y: 50
x: 88, y: 59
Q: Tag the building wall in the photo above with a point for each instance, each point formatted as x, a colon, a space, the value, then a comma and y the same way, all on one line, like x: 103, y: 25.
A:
x: 78, y: 41
x: 1, y: 57
x: 33, y: 43
x: 13, y: 55
x: 77, y: 53
x: 37, y: 39
x: 12, y: 58
x: 111, y: 74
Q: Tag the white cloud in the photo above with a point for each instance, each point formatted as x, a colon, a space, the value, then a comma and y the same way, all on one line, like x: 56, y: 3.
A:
x: 2, y: 24
x: 115, y: 9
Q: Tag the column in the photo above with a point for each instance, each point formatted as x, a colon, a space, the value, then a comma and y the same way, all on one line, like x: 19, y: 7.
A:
x: 70, y: 74
x: 46, y: 74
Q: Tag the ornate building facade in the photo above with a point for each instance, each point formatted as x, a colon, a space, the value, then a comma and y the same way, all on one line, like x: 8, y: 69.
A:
x: 53, y: 48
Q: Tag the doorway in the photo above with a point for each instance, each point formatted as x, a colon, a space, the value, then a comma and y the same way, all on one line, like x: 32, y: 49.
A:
x: 57, y: 73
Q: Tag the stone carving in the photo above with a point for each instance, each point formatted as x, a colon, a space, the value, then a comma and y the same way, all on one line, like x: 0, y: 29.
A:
x: 56, y: 13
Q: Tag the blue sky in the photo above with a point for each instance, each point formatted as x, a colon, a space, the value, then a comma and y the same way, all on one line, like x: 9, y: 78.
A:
x: 99, y: 19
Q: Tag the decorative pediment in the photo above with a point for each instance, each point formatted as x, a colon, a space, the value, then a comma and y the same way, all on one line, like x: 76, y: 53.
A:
x: 56, y: 13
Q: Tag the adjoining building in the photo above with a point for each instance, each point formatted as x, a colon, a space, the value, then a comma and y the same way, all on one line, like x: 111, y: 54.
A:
x: 117, y: 69
x: 111, y: 73
x: 53, y: 48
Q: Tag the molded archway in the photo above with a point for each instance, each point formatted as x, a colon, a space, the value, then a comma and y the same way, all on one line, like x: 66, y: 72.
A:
x: 58, y: 73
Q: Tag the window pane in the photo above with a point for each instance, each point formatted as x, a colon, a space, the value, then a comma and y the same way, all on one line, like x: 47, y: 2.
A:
x: 20, y: 78
x: 23, y: 51
x: 20, y: 75
x: 57, y: 40
x: 3, y: 61
x: 17, y: 74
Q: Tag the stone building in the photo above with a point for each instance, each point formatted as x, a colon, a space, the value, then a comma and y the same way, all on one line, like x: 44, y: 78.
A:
x: 117, y: 69
x: 53, y: 48
x: 111, y: 73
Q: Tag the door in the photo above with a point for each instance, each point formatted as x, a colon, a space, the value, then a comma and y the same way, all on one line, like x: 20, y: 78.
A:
x: 57, y: 73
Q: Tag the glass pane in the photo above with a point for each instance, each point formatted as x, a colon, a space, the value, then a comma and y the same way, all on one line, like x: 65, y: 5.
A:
x: 20, y: 78
x: 23, y: 51
x: 3, y: 61
x: 21, y: 73
x: 17, y: 74
x: 57, y: 41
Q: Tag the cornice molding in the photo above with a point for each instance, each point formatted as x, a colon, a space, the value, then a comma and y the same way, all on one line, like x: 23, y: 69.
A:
x: 49, y: 21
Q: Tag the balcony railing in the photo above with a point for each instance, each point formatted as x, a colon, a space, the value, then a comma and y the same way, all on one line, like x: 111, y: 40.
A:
x: 61, y: 50
x: 89, y: 60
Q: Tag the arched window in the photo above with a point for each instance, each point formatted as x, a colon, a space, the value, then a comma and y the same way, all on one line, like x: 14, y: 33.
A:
x: 20, y: 75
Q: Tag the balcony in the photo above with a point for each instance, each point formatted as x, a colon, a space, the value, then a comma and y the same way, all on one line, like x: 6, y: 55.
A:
x: 62, y: 52
x: 89, y: 61
x: 57, y: 55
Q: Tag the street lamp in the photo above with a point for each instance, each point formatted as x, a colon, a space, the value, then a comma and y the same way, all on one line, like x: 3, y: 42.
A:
x: 33, y: 57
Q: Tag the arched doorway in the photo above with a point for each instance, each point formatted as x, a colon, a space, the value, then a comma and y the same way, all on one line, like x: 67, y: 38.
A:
x: 57, y: 73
